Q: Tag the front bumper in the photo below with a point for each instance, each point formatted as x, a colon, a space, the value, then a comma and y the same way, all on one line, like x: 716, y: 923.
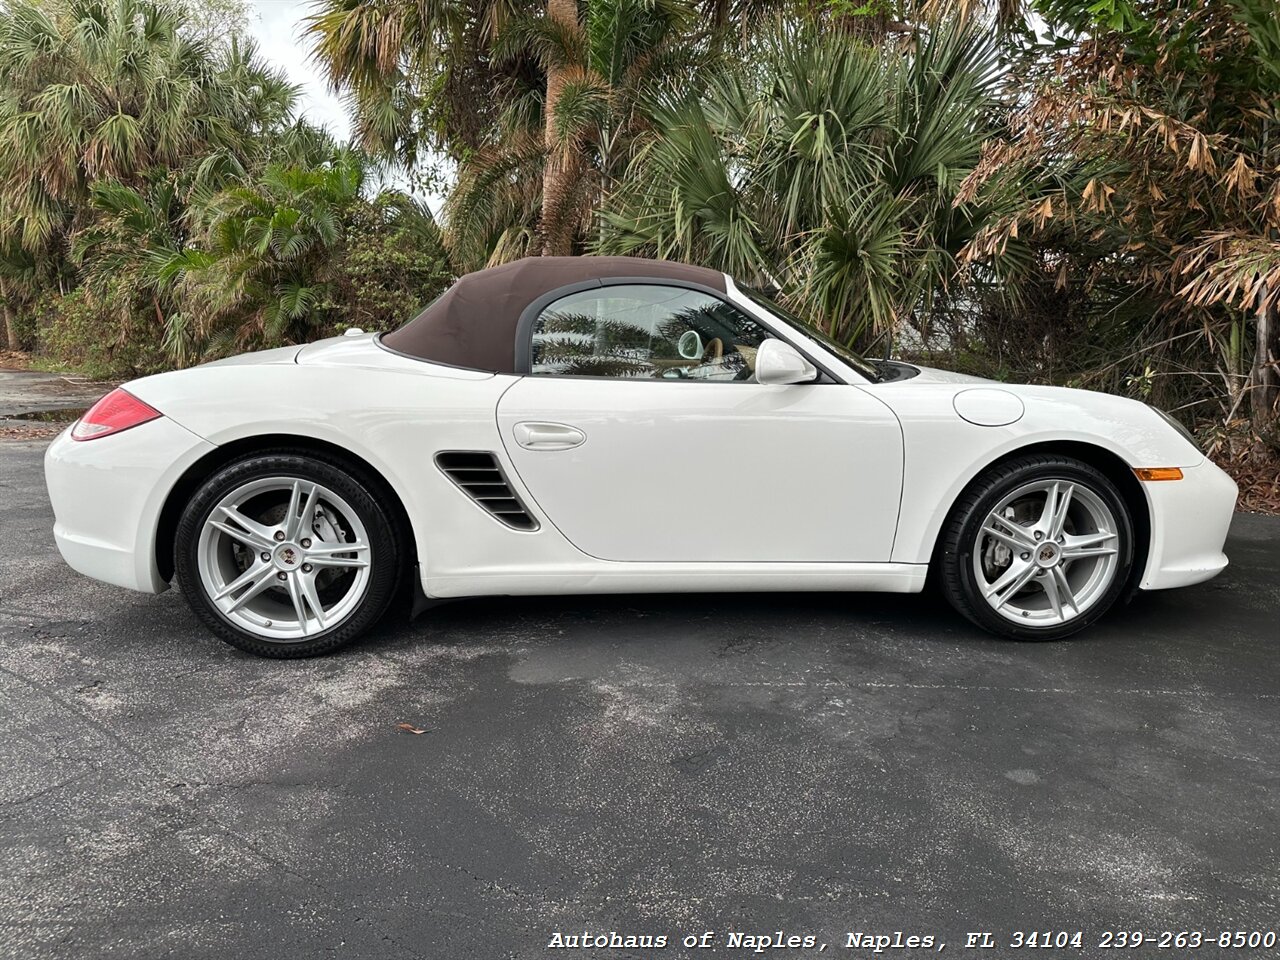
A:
x: 1189, y: 523
x: 107, y: 495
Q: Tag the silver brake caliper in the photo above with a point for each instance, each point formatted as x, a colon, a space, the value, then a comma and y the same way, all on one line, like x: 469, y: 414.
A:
x: 997, y: 556
x: 324, y: 524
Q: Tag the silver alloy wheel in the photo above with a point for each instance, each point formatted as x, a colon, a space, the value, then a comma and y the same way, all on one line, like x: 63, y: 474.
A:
x: 284, y: 558
x: 1047, y: 552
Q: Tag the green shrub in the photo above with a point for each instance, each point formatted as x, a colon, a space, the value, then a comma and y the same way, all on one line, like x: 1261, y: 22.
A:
x: 390, y: 267
x: 24, y: 327
x: 110, y: 338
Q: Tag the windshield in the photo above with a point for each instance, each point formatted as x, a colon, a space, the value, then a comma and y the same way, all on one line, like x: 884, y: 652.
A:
x: 855, y: 360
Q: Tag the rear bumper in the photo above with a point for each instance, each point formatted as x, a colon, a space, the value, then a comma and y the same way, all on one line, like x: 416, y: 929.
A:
x: 1189, y: 522
x: 107, y: 495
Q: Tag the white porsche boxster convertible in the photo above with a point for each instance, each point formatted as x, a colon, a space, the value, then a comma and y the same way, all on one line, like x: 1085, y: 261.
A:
x: 612, y: 425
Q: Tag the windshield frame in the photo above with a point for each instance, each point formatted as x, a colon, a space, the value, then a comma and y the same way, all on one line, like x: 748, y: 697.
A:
x: 852, y: 358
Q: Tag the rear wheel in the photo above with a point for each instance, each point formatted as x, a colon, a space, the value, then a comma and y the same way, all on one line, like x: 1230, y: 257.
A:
x: 286, y: 555
x: 1037, y: 548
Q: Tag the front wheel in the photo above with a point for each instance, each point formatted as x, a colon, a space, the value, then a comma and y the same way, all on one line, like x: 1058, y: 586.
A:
x: 286, y: 555
x: 1037, y: 548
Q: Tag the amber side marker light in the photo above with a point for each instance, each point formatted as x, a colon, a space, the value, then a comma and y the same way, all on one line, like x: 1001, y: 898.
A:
x: 1158, y: 473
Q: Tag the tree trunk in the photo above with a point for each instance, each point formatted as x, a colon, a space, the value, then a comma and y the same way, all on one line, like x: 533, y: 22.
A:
x: 11, y: 329
x: 10, y: 324
x: 1265, y: 376
x: 556, y: 227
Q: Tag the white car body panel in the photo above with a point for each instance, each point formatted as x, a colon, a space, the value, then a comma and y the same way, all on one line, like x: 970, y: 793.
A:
x: 107, y: 507
x: 689, y: 471
x: 1190, y: 518
x: 596, y: 576
x: 944, y: 453
x: 677, y: 485
x: 394, y: 417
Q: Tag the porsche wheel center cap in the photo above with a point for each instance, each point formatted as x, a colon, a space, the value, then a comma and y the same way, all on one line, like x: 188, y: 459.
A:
x: 288, y: 556
x: 1048, y: 554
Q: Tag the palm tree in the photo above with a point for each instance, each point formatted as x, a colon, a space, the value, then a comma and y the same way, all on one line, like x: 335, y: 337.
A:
x: 268, y: 253
x: 536, y: 102
x: 257, y: 270
x: 135, y: 229
x: 108, y: 91
x: 828, y: 167
x: 602, y: 67
x: 553, y: 164
x: 102, y: 101
x: 418, y: 71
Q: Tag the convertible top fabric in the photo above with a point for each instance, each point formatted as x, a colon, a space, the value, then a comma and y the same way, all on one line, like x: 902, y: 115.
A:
x: 473, y: 323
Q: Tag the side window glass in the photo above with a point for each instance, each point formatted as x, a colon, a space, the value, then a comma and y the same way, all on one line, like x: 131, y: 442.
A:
x: 645, y: 331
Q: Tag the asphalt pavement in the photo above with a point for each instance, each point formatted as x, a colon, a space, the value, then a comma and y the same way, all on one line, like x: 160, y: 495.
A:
x: 666, y: 766
x: 31, y: 391
x: 35, y: 405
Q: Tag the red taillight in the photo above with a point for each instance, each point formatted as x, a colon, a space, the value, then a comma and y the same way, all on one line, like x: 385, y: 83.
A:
x: 118, y: 410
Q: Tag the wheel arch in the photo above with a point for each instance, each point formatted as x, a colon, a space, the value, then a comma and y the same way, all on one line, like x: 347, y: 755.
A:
x: 1108, y: 463
x: 221, y: 456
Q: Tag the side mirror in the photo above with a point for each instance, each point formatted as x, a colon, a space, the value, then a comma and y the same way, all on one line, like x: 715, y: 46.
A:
x: 780, y: 362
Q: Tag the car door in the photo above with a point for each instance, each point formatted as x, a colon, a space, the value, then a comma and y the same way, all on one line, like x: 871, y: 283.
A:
x: 642, y: 436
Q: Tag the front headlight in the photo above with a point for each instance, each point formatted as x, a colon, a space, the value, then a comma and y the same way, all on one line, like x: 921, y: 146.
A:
x: 1177, y: 425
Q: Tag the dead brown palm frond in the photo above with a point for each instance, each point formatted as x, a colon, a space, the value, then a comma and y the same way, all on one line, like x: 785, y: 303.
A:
x: 1003, y: 13
x: 1158, y: 149
x: 1231, y: 268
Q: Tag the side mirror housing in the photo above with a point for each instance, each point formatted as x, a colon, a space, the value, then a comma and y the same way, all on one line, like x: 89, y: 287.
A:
x: 779, y: 362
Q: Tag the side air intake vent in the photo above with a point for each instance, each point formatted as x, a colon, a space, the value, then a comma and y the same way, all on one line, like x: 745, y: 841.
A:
x: 481, y: 478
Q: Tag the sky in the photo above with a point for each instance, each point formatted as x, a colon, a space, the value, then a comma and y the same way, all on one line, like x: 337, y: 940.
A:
x: 277, y: 26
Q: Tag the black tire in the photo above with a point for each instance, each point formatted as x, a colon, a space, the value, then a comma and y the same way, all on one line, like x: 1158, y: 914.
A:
x: 385, y: 544
x: 959, y: 537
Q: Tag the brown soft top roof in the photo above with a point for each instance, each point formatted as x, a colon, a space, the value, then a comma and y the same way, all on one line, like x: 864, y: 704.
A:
x: 473, y: 323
